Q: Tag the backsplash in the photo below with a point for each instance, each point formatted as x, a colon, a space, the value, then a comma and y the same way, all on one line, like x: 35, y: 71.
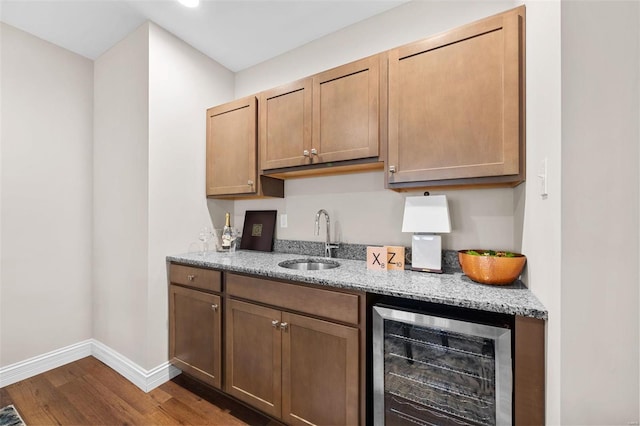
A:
x: 352, y: 251
x: 363, y: 212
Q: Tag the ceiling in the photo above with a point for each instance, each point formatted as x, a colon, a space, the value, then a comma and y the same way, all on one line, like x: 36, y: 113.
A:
x: 236, y: 33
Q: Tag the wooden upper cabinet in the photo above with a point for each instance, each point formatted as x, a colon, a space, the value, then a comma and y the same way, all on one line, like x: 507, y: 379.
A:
x: 346, y: 102
x: 285, y: 125
x: 231, y: 148
x: 456, y: 105
x: 332, y: 116
x: 232, y: 152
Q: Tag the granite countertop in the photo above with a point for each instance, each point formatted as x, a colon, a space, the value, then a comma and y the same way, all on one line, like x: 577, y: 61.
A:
x: 454, y: 288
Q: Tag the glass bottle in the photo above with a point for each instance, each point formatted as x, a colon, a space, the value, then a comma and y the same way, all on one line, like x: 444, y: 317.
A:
x: 226, y: 233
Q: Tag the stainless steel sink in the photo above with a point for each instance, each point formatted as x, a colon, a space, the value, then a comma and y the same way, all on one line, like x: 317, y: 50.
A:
x: 309, y: 264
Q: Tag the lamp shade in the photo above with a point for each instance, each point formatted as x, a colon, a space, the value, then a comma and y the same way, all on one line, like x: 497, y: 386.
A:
x: 426, y: 214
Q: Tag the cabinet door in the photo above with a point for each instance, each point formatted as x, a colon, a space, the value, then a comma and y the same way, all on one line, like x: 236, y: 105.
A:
x: 455, y: 103
x: 232, y: 148
x: 285, y: 126
x: 253, y: 350
x: 346, y: 103
x: 320, y: 372
x: 195, y: 333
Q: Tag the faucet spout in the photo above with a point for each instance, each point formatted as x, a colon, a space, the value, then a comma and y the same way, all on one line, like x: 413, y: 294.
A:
x: 327, y: 245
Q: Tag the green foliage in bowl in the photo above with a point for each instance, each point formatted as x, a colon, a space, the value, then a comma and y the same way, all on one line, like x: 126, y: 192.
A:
x: 491, y: 253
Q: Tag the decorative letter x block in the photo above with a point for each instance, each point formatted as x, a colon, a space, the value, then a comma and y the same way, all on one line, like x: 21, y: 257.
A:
x: 377, y: 258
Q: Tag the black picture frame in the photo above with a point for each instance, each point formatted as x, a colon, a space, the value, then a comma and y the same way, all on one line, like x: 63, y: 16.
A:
x: 258, y: 229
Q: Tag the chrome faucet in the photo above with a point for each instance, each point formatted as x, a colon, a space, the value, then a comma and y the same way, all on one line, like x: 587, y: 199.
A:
x: 327, y: 246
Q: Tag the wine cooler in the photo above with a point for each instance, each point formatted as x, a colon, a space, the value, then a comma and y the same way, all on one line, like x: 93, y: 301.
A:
x: 431, y: 370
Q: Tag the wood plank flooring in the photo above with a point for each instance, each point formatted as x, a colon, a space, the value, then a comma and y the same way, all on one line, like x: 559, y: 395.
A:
x: 87, y: 392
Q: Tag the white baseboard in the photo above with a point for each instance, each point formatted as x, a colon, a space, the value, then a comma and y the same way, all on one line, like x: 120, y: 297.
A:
x: 146, y: 380
x: 39, y: 364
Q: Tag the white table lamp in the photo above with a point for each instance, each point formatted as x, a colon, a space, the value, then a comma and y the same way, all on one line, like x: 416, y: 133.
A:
x: 425, y: 217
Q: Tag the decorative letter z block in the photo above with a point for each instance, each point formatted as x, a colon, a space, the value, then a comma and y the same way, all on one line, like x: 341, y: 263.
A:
x: 395, y: 258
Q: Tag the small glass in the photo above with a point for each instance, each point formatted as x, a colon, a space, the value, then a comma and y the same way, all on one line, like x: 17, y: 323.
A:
x: 217, y: 239
x: 235, y: 240
x: 205, y: 235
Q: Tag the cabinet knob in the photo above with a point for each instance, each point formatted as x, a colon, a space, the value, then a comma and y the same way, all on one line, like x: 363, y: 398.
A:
x: 314, y: 151
x: 250, y: 182
x: 191, y: 277
x: 392, y: 169
x: 214, y: 307
x: 305, y: 152
x: 284, y: 326
x: 275, y: 323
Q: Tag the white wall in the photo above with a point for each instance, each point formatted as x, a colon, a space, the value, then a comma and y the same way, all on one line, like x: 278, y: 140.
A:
x: 595, y: 154
x: 358, y: 203
x: 541, y: 225
x: 600, y: 214
x: 120, y: 188
x: 404, y: 24
x: 149, y: 180
x: 46, y: 135
x: 183, y: 83
x: 1, y: 137
x: 503, y: 218
x: 152, y: 90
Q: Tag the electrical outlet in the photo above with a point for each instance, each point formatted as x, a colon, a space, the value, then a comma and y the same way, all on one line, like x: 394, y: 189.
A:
x: 283, y: 220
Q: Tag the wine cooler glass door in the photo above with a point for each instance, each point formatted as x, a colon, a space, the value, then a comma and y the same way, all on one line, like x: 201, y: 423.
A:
x: 433, y: 370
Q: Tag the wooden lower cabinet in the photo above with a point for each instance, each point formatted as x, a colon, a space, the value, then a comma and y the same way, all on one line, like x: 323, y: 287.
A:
x: 299, y: 369
x: 529, y: 371
x: 253, y: 355
x: 320, y: 362
x: 298, y: 353
x: 195, y: 333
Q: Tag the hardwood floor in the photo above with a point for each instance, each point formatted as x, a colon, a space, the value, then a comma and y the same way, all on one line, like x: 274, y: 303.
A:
x: 87, y: 392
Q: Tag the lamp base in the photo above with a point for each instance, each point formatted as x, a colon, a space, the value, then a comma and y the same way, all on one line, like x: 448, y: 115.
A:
x: 426, y: 253
x: 433, y: 271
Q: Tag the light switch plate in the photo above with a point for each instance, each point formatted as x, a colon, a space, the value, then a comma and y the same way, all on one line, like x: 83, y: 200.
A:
x: 544, y: 189
x: 283, y: 220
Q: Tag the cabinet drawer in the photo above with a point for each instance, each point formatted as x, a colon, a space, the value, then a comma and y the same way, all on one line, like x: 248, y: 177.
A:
x: 205, y: 279
x: 329, y: 304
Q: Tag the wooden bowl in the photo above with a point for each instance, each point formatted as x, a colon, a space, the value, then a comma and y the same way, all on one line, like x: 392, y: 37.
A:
x: 491, y: 269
